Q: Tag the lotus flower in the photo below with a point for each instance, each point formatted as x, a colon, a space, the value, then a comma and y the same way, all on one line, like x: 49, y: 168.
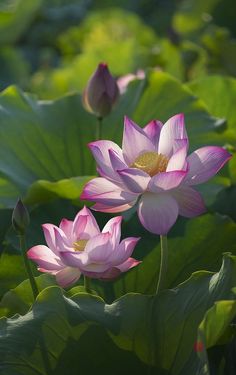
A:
x: 79, y: 246
x: 153, y: 170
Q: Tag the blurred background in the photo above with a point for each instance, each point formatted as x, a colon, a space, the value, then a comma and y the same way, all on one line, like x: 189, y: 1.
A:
x: 51, y: 47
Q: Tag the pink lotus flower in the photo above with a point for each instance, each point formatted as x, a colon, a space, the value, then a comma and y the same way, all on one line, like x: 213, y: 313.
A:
x: 80, y: 247
x: 153, y: 170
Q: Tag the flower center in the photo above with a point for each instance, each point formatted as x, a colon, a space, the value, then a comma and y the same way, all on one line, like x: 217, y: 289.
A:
x: 151, y: 163
x: 80, y: 245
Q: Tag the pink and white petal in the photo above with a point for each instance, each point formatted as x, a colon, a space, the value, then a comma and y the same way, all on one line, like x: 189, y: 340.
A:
x: 152, y: 130
x: 116, y: 161
x: 44, y: 270
x: 158, y: 212
x: 123, y: 251
x: 134, y: 179
x: 66, y: 226
x: 85, y: 225
x: 179, y: 143
x: 128, y: 264
x: 177, y: 161
x: 67, y: 276
x: 113, y: 209
x: 49, y: 234
x: 99, y: 248
x: 204, y: 163
x: 62, y: 242
x: 45, y: 258
x: 190, y: 202
x: 104, y: 191
x: 95, y: 268
x: 113, y: 226
x: 135, y: 141
x: 164, y: 181
x: 110, y: 274
x: 75, y: 258
x: 100, y: 151
x: 173, y: 129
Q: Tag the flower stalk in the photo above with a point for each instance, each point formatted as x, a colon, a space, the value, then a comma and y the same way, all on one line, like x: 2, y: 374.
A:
x: 99, y: 128
x: 20, y: 222
x: 27, y: 265
x: 163, y: 264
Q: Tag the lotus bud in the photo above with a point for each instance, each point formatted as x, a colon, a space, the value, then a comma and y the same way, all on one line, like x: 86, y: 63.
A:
x: 101, y: 92
x: 20, y: 218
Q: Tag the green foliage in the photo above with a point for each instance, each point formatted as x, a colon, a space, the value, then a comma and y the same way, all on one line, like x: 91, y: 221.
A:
x: 51, y: 48
x: 15, y: 18
x: 162, y: 332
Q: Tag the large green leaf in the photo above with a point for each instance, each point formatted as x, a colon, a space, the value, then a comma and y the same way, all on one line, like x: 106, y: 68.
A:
x: 15, y: 18
x: 216, y: 328
x: 192, y: 245
x: 160, y: 330
x: 218, y: 93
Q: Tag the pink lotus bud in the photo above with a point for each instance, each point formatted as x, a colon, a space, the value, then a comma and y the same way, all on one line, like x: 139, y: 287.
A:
x: 101, y: 92
x: 20, y: 218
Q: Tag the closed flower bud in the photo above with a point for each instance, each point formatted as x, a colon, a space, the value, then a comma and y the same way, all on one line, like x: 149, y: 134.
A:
x: 20, y: 218
x: 101, y: 92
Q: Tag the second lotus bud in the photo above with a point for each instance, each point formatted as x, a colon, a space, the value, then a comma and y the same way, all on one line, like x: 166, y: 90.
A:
x: 101, y: 92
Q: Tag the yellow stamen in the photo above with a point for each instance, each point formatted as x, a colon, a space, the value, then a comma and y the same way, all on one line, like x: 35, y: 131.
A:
x: 80, y: 245
x: 151, y: 163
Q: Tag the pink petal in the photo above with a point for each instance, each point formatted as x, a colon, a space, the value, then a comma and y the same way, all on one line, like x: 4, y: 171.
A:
x: 45, y: 258
x: 66, y: 226
x: 157, y: 212
x: 179, y: 143
x: 75, y: 258
x: 85, y: 225
x: 204, y: 163
x: 173, y: 129
x: 178, y: 159
x: 123, y: 251
x: 108, y: 274
x: 49, y: 234
x: 62, y: 242
x: 99, y: 248
x: 152, y: 130
x: 135, y: 141
x: 113, y: 226
x: 67, y: 276
x: 116, y: 161
x: 100, y: 151
x: 106, y: 192
x: 166, y: 181
x: 113, y: 209
x: 52, y: 272
x: 135, y: 179
x: 128, y: 264
x: 189, y: 201
x: 95, y: 268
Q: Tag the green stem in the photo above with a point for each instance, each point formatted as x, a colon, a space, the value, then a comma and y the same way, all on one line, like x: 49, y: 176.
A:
x: 35, y: 291
x: 99, y: 129
x: 163, y: 265
x: 27, y: 266
x: 87, y: 284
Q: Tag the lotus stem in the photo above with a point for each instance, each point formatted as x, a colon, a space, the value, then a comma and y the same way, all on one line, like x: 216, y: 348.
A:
x: 28, y: 266
x: 99, y: 129
x: 163, y: 264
